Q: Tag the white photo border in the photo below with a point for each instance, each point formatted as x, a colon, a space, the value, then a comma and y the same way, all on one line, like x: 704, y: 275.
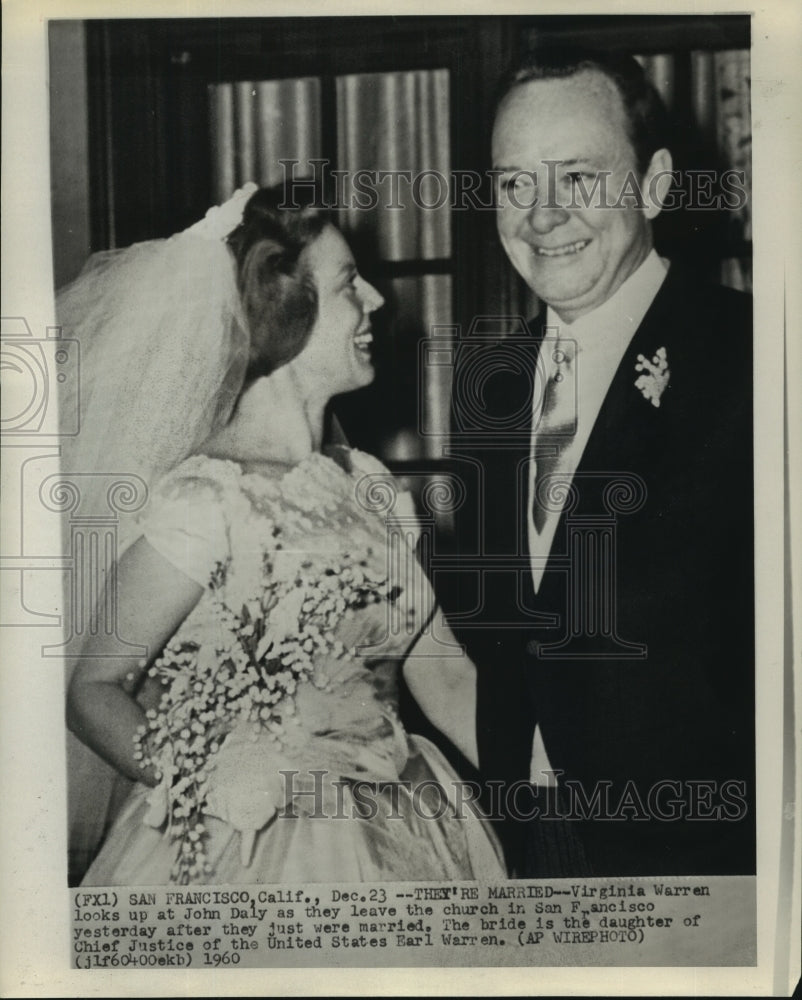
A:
x: 34, y: 943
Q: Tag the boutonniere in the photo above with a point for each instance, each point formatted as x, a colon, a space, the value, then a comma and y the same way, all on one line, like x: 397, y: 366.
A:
x: 656, y: 373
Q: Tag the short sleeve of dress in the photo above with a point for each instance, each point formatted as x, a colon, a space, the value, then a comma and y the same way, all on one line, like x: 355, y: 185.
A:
x: 186, y: 524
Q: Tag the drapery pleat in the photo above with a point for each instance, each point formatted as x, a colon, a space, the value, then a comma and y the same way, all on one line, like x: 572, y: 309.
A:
x: 661, y: 71
x: 422, y: 310
x: 436, y: 307
x: 221, y: 104
x: 734, y: 119
x: 397, y: 123
x: 703, y: 89
x: 245, y: 149
x: 255, y: 125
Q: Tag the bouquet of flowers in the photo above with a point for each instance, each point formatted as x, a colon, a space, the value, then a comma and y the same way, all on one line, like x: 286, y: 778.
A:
x: 243, y: 678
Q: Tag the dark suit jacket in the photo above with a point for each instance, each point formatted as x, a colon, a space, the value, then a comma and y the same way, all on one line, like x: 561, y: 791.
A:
x: 647, y: 710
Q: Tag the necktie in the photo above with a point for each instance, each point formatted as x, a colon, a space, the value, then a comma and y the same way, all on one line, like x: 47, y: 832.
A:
x: 555, y: 427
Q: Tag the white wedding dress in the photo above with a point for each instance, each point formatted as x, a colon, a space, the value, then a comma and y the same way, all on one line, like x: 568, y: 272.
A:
x: 226, y: 528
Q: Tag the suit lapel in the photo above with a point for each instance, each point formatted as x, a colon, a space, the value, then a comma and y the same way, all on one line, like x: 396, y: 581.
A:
x: 629, y: 434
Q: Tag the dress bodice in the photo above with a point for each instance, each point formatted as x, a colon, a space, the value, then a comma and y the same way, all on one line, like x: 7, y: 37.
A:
x: 320, y: 519
x: 312, y: 596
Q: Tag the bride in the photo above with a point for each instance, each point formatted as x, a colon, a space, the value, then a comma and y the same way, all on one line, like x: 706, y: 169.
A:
x: 261, y: 728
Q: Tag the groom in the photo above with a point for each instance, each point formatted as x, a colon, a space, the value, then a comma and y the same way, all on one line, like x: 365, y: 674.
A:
x: 616, y: 674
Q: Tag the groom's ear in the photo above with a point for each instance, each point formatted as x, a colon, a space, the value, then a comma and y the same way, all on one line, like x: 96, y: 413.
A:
x: 656, y: 183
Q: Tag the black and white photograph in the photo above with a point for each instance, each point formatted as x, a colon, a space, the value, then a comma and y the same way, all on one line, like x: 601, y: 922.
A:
x: 399, y: 463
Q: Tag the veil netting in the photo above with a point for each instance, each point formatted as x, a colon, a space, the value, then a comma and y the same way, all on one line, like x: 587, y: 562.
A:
x: 163, y: 351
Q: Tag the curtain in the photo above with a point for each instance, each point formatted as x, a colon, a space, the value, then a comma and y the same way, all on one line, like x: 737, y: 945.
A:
x: 721, y: 90
x: 398, y: 122
x: 386, y: 122
x: 719, y: 112
x: 257, y: 124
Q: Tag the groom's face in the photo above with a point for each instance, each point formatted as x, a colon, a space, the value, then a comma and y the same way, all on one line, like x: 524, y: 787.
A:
x: 553, y: 141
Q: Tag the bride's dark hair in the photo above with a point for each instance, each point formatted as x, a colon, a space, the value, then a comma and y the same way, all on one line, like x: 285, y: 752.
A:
x: 278, y: 293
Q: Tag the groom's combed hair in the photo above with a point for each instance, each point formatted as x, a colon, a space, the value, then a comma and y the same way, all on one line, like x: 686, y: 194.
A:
x: 278, y: 292
x: 647, y: 119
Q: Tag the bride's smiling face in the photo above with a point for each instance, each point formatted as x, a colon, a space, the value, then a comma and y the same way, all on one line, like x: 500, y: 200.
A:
x: 337, y: 353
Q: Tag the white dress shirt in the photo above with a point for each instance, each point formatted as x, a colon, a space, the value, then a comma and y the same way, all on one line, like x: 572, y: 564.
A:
x: 601, y: 338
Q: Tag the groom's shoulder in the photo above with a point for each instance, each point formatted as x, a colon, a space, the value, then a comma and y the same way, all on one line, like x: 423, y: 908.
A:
x: 726, y: 307
x: 706, y: 329
x: 705, y: 302
x: 709, y: 327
